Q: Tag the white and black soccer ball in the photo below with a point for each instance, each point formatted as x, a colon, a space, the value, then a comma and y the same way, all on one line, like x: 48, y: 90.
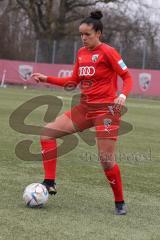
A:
x: 35, y: 195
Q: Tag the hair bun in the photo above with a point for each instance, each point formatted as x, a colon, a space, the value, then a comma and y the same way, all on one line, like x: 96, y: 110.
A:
x: 96, y: 14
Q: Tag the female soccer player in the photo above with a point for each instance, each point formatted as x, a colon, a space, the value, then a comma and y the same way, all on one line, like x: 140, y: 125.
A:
x: 96, y: 69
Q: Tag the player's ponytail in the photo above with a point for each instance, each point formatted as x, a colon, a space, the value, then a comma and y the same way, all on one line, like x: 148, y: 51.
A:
x: 94, y: 19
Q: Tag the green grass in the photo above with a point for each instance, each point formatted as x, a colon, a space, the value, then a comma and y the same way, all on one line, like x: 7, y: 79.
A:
x: 83, y: 208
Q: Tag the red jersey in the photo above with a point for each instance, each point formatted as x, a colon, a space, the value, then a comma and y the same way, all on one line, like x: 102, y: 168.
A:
x: 96, y: 71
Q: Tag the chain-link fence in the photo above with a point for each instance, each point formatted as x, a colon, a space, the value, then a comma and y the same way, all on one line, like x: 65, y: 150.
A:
x: 59, y: 52
x: 64, y: 52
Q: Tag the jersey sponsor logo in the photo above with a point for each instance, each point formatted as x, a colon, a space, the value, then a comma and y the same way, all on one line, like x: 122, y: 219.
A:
x: 144, y: 81
x: 65, y: 73
x: 86, y: 71
x: 95, y: 57
x: 25, y: 72
x: 122, y: 64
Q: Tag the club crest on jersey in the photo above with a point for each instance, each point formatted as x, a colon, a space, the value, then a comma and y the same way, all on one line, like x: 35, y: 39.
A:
x: 122, y: 64
x: 25, y: 71
x: 95, y: 57
x: 144, y: 81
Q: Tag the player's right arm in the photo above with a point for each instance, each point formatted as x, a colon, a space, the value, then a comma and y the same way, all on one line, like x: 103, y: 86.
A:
x: 74, y: 79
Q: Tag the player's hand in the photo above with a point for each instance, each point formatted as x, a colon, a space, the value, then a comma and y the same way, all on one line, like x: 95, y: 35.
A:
x: 120, y: 101
x: 38, y: 77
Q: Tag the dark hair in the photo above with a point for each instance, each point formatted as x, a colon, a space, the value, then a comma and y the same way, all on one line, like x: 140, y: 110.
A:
x: 94, y: 19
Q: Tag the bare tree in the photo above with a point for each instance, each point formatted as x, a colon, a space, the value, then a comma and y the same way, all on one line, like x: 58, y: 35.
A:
x: 133, y: 33
x: 49, y: 17
x: 17, y: 32
x: 22, y: 22
x: 54, y: 20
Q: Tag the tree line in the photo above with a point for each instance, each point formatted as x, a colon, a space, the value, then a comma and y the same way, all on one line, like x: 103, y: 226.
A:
x: 129, y: 27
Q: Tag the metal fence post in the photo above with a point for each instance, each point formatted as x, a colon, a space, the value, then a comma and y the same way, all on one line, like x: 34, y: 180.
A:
x: 54, y: 51
x: 144, y: 55
x: 75, y: 51
x: 36, y: 51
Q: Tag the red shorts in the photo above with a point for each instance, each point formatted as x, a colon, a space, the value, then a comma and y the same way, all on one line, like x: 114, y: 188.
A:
x: 104, y: 118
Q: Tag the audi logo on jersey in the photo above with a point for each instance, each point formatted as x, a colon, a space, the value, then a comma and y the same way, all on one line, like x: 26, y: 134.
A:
x: 86, y: 71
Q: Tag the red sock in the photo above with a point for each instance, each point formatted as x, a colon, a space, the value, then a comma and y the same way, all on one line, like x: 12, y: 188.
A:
x: 49, y: 155
x: 114, y: 177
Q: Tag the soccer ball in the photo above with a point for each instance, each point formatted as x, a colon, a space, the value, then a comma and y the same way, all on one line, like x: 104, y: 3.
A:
x: 35, y: 195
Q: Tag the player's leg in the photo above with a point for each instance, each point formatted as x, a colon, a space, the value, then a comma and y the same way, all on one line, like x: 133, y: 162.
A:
x: 107, y: 127
x: 106, y: 149
x: 67, y: 123
x: 62, y: 126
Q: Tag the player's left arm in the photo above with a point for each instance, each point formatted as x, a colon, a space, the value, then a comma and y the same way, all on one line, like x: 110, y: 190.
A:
x: 127, y: 86
x: 121, y: 69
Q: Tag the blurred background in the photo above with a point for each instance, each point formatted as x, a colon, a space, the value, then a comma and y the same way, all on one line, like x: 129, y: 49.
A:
x: 47, y: 30
x: 42, y: 36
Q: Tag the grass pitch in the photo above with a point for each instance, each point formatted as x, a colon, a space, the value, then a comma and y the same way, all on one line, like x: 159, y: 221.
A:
x: 83, y: 208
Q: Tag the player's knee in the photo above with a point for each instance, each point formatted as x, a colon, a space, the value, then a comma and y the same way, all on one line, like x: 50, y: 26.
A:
x: 107, y: 160
x: 47, y: 132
